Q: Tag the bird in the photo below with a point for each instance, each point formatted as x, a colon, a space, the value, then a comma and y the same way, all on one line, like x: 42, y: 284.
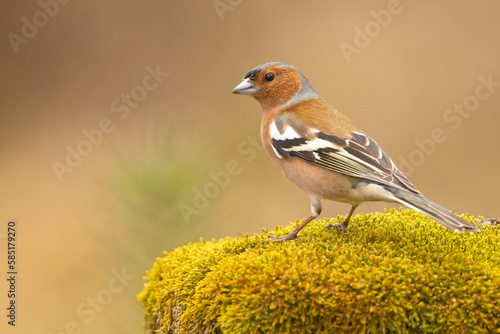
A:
x: 325, y: 154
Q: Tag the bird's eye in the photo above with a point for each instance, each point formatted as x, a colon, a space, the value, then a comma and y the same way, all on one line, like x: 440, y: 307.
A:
x: 269, y: 77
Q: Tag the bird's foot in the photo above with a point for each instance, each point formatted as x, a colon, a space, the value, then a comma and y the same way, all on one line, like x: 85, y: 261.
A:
x: 289, y: 236
x: 343, y: 226
x: 488, y: 222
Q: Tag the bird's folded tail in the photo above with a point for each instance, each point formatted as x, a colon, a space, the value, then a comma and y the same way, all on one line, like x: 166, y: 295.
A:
x: 435, y: 211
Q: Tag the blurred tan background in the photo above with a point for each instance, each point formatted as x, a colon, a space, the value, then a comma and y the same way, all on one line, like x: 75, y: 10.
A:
x: 87, y: 236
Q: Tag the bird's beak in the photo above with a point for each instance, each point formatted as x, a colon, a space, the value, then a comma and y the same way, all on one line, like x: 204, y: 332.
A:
x: 245, y: 87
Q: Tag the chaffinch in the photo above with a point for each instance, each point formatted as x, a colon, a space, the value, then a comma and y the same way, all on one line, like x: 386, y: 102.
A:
x: 325, y: 153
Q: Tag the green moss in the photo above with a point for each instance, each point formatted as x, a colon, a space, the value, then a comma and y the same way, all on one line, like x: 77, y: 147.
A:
x: 393, y: 272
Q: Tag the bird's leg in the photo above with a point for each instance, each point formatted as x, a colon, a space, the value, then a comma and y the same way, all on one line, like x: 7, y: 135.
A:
x: 292, y: 235
x: 345, y: 223
x: 315, y: 211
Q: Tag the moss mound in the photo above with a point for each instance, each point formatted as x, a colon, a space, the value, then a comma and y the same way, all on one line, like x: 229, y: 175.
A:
x: 393, y: 272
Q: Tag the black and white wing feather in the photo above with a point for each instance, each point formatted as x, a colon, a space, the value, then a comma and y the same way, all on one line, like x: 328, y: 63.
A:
x: 358, y: 156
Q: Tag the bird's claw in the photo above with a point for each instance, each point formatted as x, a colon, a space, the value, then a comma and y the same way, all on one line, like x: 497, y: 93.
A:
x: 287, y: 237
x: 488, y: 222
x: 343, y: 226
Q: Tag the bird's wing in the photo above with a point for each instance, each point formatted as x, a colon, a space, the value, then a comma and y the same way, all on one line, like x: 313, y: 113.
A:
x: 358, y: 156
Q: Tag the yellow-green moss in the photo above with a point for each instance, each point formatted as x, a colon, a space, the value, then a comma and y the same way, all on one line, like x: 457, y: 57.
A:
x: 393, y: 272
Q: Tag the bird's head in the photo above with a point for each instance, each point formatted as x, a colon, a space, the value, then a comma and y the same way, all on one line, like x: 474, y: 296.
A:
x: 276, y: 84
